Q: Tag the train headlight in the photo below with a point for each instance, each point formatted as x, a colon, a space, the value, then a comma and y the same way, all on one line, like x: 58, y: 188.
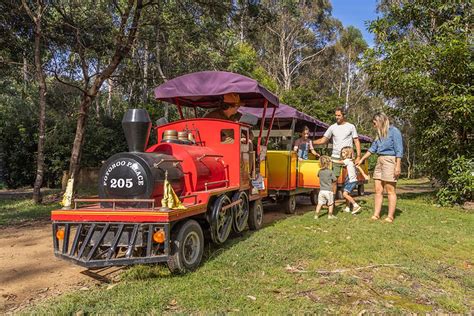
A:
x: 159, y: 236
x: 60, y: 234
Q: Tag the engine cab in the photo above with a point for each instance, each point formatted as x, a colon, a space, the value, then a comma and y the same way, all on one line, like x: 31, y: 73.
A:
x: 204, y: 175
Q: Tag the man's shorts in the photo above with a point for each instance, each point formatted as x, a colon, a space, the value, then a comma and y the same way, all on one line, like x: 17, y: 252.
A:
x: 326, y: 197
x: 349, y: 186
x: 336, y: 168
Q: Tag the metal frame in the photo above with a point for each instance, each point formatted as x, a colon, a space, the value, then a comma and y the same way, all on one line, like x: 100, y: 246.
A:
x: 86, y: 251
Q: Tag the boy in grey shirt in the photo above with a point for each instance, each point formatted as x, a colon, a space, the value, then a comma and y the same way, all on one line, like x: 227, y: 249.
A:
x: 326, y: 180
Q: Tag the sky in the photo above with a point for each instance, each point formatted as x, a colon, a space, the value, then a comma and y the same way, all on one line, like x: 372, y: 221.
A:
x: 356, y: 13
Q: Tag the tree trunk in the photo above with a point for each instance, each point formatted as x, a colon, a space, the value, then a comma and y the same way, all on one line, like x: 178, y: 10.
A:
x: 97, y: 99
x: 25, y: 70
x: 37, y: 19
x: 145, y: 73
x: 110, y: 88
x: 348, y: 81
x: 124, y: 43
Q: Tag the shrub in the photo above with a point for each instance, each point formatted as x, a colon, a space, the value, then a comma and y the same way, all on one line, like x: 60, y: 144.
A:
x: 460, y: 184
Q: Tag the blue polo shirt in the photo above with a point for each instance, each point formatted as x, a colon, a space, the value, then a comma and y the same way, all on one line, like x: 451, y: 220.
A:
x: 392, y: 145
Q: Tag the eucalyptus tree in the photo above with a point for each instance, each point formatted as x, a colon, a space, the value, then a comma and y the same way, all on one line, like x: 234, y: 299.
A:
x: 422, y: 64
x: 298, y: 33
x: 92, y: 39
x: 36, y: 12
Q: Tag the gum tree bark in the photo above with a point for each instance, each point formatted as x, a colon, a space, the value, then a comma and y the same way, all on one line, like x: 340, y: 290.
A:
x: 36, y: 17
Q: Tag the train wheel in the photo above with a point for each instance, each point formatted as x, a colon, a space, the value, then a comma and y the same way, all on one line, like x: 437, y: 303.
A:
x: 289, y: 204
x: 360, y: 189
x: 221, y: 220
x: 313, y: 196
x: 187, y: 247
x: 256, y: 215
x: 241, y: 211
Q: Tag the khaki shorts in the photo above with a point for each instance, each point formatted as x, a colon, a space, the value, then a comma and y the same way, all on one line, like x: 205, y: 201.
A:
x: 325, y: 197
x: 336, y: 168
x: 385, y: 169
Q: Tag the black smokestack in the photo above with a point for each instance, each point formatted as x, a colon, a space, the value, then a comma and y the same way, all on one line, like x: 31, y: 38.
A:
x: 136, y: 124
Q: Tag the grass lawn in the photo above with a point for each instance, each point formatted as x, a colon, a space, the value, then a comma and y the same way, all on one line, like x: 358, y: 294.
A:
x: 14, y: 211
x: 424, y: 262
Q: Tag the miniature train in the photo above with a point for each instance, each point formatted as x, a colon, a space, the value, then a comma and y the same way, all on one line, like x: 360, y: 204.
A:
x: 156, y: 202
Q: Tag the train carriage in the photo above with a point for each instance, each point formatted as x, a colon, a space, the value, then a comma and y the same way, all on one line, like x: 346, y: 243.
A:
x: 288, y: 176
x: 155, y: 202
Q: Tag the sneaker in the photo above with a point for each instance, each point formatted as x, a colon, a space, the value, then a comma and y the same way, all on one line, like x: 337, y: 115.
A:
x: 356, y: 209
x: 331, y: 217
x: 347, y: 210
x: 316, y: 216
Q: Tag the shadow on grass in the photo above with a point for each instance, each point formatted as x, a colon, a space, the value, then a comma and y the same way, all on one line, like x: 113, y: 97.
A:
x: 416, y: 195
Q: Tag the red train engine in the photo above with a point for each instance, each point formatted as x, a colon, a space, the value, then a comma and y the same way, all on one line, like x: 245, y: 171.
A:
x: 156, y: 203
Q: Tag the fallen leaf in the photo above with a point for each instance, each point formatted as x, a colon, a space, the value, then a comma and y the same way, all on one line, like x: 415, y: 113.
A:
x: 173, y: 302
x: 111, y: 286
x: 253, y: 298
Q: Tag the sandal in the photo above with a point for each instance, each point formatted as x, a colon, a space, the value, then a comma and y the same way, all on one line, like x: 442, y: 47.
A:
x: 375, y: 218
x: 389, y: 220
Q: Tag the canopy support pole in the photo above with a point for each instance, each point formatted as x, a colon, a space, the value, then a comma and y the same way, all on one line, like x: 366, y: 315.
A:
x: 270, y: 127
x: 179, y: 108
x: 262, y: 123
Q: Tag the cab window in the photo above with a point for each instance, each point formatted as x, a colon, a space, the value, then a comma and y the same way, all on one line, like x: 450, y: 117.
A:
x: 227, y: 136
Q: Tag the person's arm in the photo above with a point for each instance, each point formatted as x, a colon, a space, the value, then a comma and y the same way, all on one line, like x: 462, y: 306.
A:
x: 398, y: 167
x: 321, y: 141
x: 311, y: 148
x: 326, y: 137
x: 357, y: 146
x: 362, y: 172
x: 367, y: 154
x: 398, y: 144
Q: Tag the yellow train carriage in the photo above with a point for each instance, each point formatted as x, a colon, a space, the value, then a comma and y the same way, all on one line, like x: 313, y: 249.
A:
x: 288, y: 176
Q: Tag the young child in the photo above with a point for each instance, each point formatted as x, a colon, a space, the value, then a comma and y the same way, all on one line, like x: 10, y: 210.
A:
x: 347, y: 154
x: 326, y: 179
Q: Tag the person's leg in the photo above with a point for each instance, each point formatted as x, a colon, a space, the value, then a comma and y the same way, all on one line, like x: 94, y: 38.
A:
x: 378, y: 198
x: 392, y: 198
x: 318, y: 209
x: 336, y: 169
x: 331, y: 209
x: 349, y: 198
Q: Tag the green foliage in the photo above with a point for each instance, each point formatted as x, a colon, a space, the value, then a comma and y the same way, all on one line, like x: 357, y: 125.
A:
x: 18, y: 134
x: 424, y: 66
x: 308, y: 100
x: 460, y: 185
x: 243, y: 60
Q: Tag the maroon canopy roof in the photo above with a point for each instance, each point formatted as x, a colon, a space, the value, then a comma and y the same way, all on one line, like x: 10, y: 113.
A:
x: 206, y: 89
x: 284, y: 112
x: 287, y: 112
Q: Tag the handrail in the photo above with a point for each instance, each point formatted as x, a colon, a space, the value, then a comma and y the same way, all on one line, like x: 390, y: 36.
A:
x: 214, y: 182
x: 209, y: 155
x: 113, y: 201
x: 188, y: 196
x: 174, y: 161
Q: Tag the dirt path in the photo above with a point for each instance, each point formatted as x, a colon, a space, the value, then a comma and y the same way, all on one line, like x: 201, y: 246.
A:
x: 30, y: 273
